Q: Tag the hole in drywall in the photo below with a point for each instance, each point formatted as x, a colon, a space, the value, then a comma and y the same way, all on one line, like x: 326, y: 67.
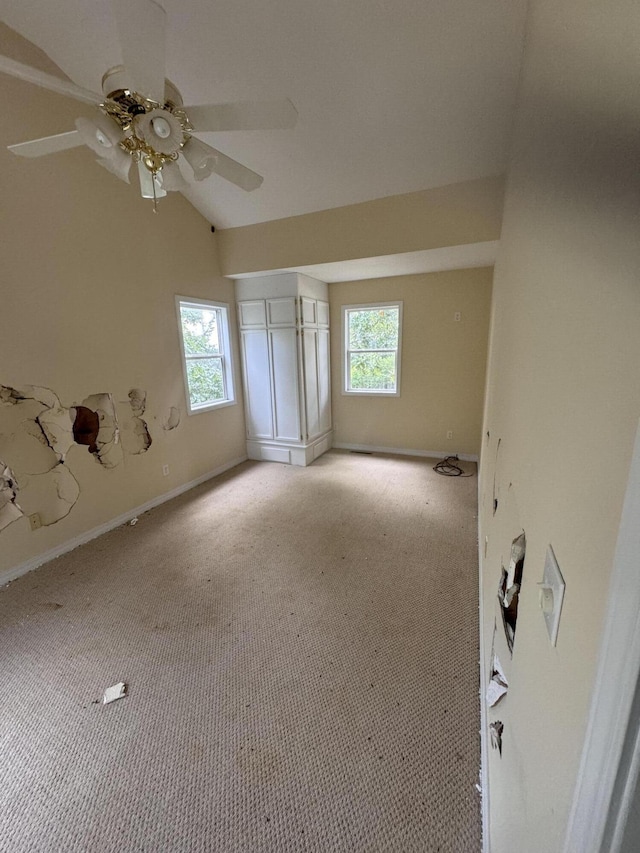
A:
x: 509, y: 588
x: 495, y: 730
x: 86, y: 427
x: 105, y: 443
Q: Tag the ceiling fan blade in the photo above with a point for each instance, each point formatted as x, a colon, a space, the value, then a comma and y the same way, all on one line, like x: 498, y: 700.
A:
x: 243, y: 115
x: 141, y: 28
x: 171, y: 178
x: 204, y: 160
x: 46, y: 81
x: 119, y: 165
x: 48, y: 144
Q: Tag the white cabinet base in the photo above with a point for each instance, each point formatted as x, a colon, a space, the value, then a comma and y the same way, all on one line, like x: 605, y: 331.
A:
x: 289, y: 454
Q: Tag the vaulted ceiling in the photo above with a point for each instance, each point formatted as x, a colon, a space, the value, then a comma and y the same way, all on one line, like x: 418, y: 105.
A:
x: 392, y: 97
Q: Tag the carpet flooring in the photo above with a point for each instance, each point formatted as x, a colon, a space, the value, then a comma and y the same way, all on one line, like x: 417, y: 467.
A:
x: 300, y: 647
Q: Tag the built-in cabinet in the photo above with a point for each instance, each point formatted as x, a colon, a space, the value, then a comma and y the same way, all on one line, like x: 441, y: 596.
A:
x: 284, y: 342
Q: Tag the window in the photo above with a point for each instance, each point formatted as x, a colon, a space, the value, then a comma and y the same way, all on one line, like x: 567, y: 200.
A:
x: 372, y: 335
x: 206, y: 353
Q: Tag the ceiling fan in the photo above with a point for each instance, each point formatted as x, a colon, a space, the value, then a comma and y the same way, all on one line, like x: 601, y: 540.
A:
x: 142, y: 118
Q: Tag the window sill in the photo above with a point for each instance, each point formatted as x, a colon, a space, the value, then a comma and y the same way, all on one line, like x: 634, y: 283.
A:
x: 368, y: 393
x: 209, y: 407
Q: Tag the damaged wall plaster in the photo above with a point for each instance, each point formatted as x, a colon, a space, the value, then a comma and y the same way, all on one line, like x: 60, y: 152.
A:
x: 106, y: 440
x: 509, y: 588
x: 138, y: 401
x: 135, y: 434
x: 172, y: 419
x: 36, y: 434
x: 495, y: 730
x: 9, y: 509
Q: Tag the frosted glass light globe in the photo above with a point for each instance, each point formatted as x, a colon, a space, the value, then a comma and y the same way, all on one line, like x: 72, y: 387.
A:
x: 162, y: 127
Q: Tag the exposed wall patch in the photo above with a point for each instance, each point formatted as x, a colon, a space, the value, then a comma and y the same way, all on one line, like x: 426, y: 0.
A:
x: 27, y: 450
x: 9, y: 509
x: 172, y: 419
x: 57, y: 427
x: 51, y: 495
x: 495, y: 730
x: 510, y: 586
x: 135, y: 436
x: 138, y: 401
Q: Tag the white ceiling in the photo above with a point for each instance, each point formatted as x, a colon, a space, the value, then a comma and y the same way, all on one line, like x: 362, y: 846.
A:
x: 393, y: 96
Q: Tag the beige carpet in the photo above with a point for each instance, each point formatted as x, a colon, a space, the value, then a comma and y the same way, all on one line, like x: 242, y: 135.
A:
x: 301, y: 651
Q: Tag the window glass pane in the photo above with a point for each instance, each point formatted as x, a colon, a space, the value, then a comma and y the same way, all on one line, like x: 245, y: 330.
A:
x: 374, y: 371
x: 373, y: 328
x: 200, y: 330
x: 206, y: 383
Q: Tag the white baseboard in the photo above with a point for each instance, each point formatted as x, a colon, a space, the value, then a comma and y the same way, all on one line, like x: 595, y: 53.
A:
x: 401, y: 451
x: 28, y: 566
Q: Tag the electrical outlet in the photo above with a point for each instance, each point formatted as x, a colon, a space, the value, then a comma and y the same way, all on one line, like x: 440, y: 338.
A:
x: 457, y: 316
x: 165, y: 470
x: 449, y: 433
x: 34, y: 521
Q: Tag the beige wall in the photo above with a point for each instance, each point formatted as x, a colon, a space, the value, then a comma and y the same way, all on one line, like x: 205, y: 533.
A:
x: 443, y: 363
x: 89, y: 276
x: 563, y: 391
x: 454, y: 215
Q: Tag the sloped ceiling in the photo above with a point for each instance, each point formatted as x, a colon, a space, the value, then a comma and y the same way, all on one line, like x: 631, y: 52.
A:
x: 392, y: 97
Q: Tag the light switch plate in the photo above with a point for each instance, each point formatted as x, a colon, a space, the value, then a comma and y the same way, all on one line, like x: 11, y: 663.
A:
x: 551, y: 594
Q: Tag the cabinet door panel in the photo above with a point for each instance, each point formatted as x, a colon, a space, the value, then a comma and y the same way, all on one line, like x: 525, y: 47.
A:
x: 281, y: 312
x: 252, y: 314
x: 323, y: 313
x: 310, y: 360
x: 309, y: 315
x: 284, y: 360
x: 255, y: 360
x: 324, y: 381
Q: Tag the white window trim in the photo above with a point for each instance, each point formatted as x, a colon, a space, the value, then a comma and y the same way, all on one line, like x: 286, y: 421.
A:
x: 225, y: 338
x: 367, y: 392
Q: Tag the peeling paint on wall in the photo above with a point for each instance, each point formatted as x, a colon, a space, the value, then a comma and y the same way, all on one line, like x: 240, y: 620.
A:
x: 9, y: 509
x: 35, y: 430
x: 138, y: 401
x: 52, y: 495
x: 135, y: 434
x: 172, y: 419
x: 495, y: 731
x: 36, y: 434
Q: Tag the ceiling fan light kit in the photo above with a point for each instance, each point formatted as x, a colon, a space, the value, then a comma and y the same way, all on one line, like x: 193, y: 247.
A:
x: 151, y: 131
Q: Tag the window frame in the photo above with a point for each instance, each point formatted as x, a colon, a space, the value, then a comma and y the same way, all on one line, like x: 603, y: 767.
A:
x: 346, y: 352
x: 225, y: 356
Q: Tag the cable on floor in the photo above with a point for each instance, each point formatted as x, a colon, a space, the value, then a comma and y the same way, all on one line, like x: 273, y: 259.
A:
x: 448, y: 467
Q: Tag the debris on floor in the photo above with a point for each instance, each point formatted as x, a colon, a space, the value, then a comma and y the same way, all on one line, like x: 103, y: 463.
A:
x: 133, y: 521
x: 116, y: 692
